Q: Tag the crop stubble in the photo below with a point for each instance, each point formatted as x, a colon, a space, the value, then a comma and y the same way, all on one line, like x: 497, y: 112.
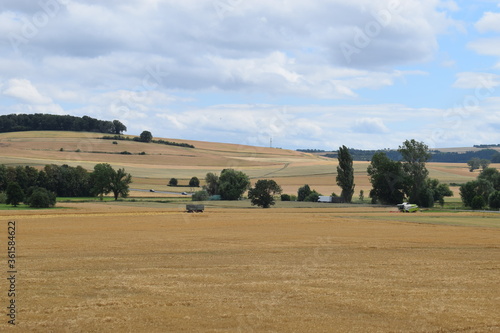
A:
x: 103, y: 267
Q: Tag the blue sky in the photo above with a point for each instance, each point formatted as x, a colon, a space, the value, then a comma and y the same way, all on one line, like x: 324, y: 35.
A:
x: 367, y: 74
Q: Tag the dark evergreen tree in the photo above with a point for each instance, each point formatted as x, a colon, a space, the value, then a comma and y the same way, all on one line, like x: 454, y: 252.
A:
x: 345, y: 174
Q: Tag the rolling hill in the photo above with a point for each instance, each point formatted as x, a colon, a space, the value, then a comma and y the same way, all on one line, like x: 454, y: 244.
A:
x: 159, y: 163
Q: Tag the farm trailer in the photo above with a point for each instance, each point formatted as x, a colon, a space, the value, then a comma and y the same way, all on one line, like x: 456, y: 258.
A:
x: 195, y: 208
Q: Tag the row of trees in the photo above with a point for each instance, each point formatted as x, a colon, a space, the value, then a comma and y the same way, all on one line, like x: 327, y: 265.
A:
x: 50, y: 122
x: 476, y: 163
x: 63, y: 181
x: 436, y: 155
x: 147, y: 137
x: 396, y: 181
x: 193, y: 182
x: 232, y: 184
x: 482, y: 192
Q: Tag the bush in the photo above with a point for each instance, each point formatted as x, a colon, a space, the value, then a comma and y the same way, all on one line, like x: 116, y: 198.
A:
x: 173, y: 182
x: 200, y: 196
x: 146, y: 136
x: 285, y: 197
x: 478, y: 202
x: 126, y: 153
x: 142, y: 153
x: 41, y: 198
x: 194, y: 182
x: 303, y: 192
x: 3, y: 198
x: 115, y: 143
x: 494, y: 200
x: 312, y: 197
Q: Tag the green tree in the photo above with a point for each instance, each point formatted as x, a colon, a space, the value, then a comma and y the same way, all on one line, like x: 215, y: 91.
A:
x: 432, y: 192
x: 232, y: 184
x: 146, y: 136
x: 285, y: 197
x: 478, y: 202
x: 474, y: 164
x: 312, y: 197
x: 200, y: 196
x: 492, y: 175
x: 474, y: 188
x: 415, y: 155
x: 101, y: 179
x: 194, y: 182
x: 119, y: 183
x: 173, y: 182
x: 119, y: 128
x: 387, y: 179
x: 212, y: 183
x: 263, y: 193
x: 484, y: 163
x: 15, y: 194
x: 494, y: 200
x: 40, y: 197
x: 345, y: 174
x: 303, y: 192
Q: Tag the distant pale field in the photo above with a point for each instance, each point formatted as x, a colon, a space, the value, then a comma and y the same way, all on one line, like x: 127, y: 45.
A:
x: 149, y: 267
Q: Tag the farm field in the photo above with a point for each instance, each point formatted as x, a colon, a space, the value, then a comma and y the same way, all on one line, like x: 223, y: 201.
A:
x: 149, y: 267
x: 288, y: 168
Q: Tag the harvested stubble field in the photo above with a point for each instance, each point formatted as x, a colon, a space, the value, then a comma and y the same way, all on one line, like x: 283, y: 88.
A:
x: 128, y: 267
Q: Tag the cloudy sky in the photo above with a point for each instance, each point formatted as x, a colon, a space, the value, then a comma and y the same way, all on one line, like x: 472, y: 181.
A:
x: 308, y: 74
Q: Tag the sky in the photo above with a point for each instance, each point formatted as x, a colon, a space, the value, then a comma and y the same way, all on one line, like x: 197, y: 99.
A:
x: 368, y: 74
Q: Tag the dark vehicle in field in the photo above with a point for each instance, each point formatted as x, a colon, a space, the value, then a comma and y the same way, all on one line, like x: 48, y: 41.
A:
x: 192, y: 208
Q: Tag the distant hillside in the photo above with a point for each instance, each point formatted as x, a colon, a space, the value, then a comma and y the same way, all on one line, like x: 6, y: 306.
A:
x: 50, y: 122
x: 462, y: 156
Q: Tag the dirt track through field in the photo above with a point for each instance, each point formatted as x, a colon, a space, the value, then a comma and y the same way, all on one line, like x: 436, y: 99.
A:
x: 104, y: 267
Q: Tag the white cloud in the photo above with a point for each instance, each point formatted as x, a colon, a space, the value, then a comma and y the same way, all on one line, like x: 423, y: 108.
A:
x: 486, y: 46
x: 193, y: 70
x: 489, y: 22
x: 370, y: 125
x: 471, y: 80
x: 25, y: 91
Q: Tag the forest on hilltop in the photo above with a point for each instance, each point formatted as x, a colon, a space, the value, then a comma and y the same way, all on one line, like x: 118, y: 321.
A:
x: 50, y: 122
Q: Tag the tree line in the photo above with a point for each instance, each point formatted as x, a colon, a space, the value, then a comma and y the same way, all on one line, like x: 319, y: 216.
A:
x: 406, y: 180
x: 482, y: 192
x: 436, y: 155
x: 50, y: 122
x: 62, y: 181
x: 147, y: 137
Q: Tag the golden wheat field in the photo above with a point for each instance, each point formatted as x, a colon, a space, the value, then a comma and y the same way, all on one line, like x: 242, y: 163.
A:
x: 299, y: 267
x: 150, y: 267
